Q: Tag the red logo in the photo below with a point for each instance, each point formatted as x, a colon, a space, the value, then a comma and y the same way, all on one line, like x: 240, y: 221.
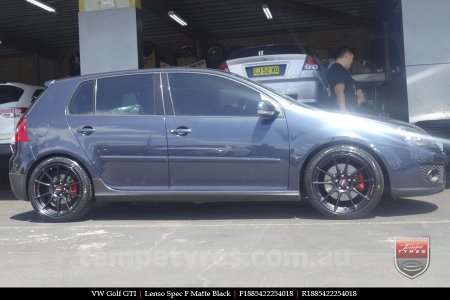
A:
x: 412, y: 255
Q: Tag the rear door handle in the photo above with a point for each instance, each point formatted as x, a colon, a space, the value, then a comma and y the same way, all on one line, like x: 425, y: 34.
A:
x: 86, y: 130
x: 181, y: 131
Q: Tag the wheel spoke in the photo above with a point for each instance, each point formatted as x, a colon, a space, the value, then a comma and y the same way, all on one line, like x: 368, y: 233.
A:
x: 365, y: 197
x: 336, y: 164
x: 48, y: 202
x: 67, y: 204
x: 359, y: 170
x: 43, y: 195
x: 337, y: 202
x: 46, y: 174
x: 325, y: 172
x: 57, y: 173
x: 346, y: 164
x: 66, y: 175
x: 73, y: 183
x: 323, y: 182
x: 328, y: 195
x: 58, y: 205
x: 43, y: 183
x: 363, y: 180
x: 351, y: 200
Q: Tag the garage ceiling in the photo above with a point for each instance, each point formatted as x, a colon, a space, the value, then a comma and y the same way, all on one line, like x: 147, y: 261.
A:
x: 25, y: 28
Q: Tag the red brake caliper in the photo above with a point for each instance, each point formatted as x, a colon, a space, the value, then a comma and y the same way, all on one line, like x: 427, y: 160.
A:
x: 73, y: 190
x: 360, y: 186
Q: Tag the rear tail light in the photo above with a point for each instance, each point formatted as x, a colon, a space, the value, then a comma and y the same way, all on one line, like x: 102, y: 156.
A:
x: 224, y: 67
x: 21, y: 131
x: 311, y: 63
x: 16, y: 112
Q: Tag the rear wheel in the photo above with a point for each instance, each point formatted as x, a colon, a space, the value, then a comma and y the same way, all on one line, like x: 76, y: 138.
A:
x: 59, y: 190
x: 344, y: 182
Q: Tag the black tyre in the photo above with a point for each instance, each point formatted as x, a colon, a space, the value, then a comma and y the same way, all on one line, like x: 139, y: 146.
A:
x: 344, y: 182
x: 59, y: 190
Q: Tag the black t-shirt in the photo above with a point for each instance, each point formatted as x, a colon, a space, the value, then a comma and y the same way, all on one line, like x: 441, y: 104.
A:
x: 338, y: 74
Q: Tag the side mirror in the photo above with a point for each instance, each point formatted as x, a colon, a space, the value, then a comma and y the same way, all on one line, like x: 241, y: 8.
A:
x: 266, y: 110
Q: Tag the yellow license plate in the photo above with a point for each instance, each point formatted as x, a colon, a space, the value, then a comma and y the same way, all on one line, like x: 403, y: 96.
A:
x: 266, y: 71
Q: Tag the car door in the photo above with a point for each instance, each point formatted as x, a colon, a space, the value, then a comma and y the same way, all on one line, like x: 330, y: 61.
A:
x: 216, y: 140
x: 118, y: 122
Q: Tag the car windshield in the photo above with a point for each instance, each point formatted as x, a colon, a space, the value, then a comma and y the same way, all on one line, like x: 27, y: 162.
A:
x: 9, y: 93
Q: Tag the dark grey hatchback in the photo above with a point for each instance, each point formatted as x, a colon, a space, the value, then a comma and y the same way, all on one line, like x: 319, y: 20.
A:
x: 176, y: 134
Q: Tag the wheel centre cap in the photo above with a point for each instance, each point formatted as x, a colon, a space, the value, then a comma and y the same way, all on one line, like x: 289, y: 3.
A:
x: 343, y: 183
x: 58, y: 189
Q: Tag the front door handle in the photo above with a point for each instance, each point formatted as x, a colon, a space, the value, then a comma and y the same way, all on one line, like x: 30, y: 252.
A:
x: 181, y: 131
x: 86, y: 130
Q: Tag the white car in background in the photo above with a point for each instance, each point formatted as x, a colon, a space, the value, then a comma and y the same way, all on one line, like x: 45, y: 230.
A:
x: 292, y: 70
x: 14, y: 100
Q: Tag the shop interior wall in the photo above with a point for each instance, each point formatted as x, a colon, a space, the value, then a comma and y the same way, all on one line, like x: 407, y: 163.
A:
x: 24, y: 68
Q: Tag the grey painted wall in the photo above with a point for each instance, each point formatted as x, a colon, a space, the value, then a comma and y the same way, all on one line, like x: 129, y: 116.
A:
x: 109, y: 40
x: 427, y: 57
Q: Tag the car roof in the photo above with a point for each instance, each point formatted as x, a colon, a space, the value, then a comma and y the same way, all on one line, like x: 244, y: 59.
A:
x: 140, y: 71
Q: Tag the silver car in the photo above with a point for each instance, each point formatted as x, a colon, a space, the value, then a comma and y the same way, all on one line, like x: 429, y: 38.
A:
x: 292, y: 70
x: 14, y: 100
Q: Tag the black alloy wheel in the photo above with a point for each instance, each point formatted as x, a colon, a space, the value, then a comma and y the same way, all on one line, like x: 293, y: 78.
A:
x: 344, y: 182
x: 59, y: 190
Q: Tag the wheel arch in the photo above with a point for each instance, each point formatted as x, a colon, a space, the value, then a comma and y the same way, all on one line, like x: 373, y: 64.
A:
x: 361, y: 145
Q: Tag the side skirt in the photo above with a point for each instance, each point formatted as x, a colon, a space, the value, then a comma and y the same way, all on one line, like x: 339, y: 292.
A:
x: 105, y: 193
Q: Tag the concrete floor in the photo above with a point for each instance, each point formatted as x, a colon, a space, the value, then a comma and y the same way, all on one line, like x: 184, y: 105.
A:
x: 220, y: 245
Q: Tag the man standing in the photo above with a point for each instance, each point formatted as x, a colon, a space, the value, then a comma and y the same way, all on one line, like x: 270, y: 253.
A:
x: 349, y: 96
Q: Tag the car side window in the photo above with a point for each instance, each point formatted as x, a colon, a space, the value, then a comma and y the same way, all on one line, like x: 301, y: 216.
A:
x: 208, y: 95
x: 126, y: 95
x: 82, y: 102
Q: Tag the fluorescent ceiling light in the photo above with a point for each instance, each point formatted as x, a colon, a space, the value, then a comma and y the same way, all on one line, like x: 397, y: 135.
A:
x: 267, y: 12
x: 42, y: 5
x: 177, y: 18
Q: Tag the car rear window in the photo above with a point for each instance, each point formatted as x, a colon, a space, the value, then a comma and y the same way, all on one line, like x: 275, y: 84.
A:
x: 269, y: 50
x: 9, y: 93
x: 82, y: 102
x: 126, y: 95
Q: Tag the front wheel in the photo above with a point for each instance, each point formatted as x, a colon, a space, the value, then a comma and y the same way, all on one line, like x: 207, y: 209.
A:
x: 59, y: 190
x: 344, y: 182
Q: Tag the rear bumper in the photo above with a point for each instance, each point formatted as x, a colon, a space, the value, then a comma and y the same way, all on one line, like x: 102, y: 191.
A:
x: 18, y: 168
x: 18, y: 185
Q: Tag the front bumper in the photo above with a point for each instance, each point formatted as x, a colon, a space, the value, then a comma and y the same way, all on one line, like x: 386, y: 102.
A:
x: 415, y: 192
x: 409, y: 170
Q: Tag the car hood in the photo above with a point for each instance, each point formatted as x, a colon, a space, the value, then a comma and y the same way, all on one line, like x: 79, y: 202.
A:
x: 351, y: 124
x: 387, y: 121
x: 355, y: 116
